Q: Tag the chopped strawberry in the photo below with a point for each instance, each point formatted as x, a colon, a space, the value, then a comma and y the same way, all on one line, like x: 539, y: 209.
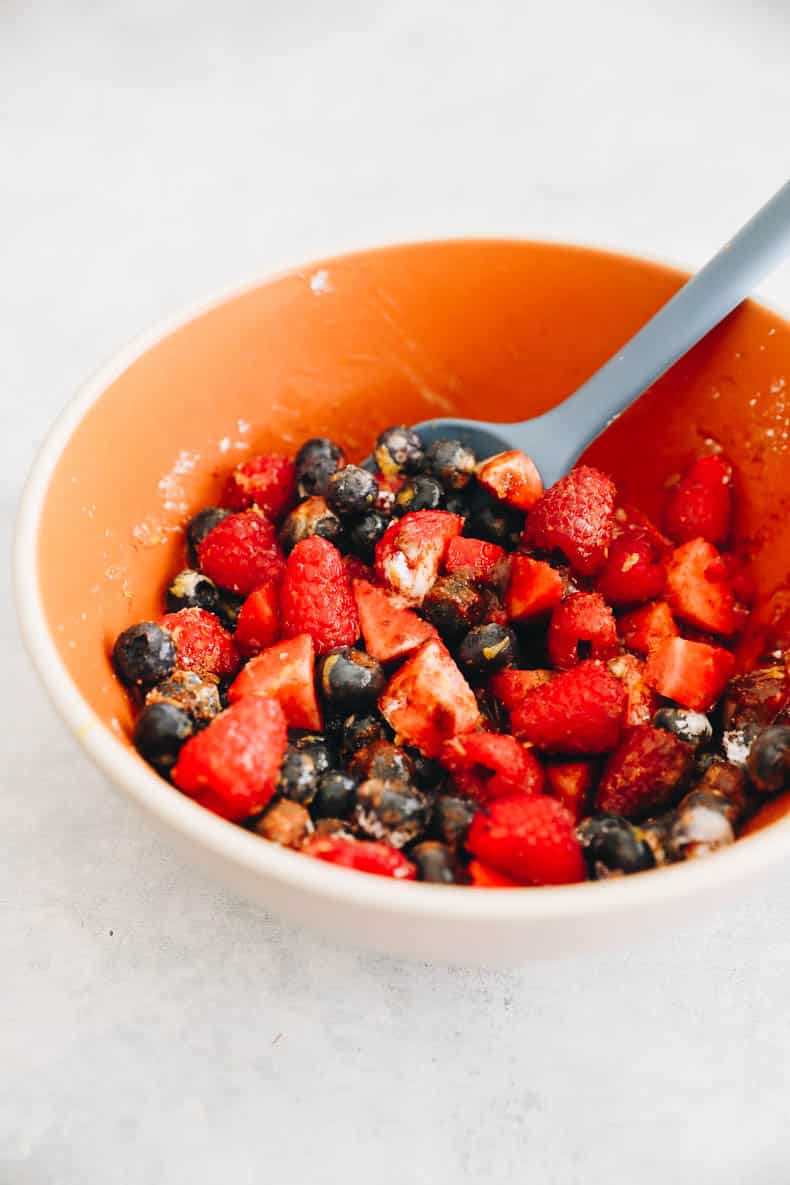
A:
x: 575, y: 515
x: 510, y: 686
x: 700, y: 506
x: 691, y: 673
x: 571, y: 782
x: 380, y: 859
x: 412, y: 549
x: 577, y: 711
x: 533, y: 590
x: 487, y: 563
x: 629, y: 518
x: 644, y: 628
x: 268, y: 482
x: 582, y: 626
x: 698, y: 587
x: 428, y: 700
x: 647, y: 771
x: 642, y: 700
x: 316, y: 596
x: 231, y: 766
x: 488, y: 765
x: 634, y: 570
x: 483, y: 877
x: 513, y: 478
x: 285, y: 672
x: 258, y: 625
x: 529, y: 838
x: 241, y: 552
x: 202, y: 643
x: 390, y: 629
x: 741, y: 577
x: 357, y: 569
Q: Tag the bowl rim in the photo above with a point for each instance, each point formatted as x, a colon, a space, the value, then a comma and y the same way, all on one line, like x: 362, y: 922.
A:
x: 230, y: 842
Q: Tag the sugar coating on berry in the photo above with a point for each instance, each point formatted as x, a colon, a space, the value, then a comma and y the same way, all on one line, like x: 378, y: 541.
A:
x: 410, y: 553
x: 428, y: 700
x: 202, y: 644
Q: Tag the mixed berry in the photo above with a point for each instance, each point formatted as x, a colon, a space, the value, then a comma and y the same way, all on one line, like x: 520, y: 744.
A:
x: 430, y: 668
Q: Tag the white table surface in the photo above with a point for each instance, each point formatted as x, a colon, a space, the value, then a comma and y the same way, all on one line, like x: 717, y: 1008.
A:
x: 152, y: 1027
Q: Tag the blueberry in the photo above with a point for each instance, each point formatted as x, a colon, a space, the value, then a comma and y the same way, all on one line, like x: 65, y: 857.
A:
x: 383, y: 760
x: 188, y: 691
x: 728, y: 781
x: 192, y: 590
x: 427, y: 774
x: 311, y: 517
x: 454, y: 605
x: 159, y: 733
x: 612, y: 846
x: 336, y: 796
x: 365, y: 533
x: 435, y: 863
x: 393, y: 811
x: 451, y: 819
x: 701, y: 825
x: 229, y: 608
x: 144, y: 654
x: 769, y: 759
x: 452, y: 462
x: 360, y: 731
x: 488, y: 648
x: 299, y: 775
x: 350, y: 680
x: 317, y: 747
x: 315, y: 463
x: 418, y: 493
x: 285, y: 822
x: 352, y: 491
x: 657, y: 834
x: 691, y: 727
x: 198, y: 527
x: 399, y: 450
x: 495, y: 524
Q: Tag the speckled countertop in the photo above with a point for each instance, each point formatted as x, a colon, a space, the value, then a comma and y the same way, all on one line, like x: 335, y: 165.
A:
x: 152, y: 1027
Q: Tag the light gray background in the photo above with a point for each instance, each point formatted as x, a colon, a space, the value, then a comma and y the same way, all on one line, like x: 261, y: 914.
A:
x: 154, y: 1028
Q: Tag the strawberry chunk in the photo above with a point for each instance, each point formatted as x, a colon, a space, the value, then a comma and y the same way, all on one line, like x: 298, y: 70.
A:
x: 692, y: 674
x: 647, y: 771
x: 644, y: 628
x: 530, y: 839
x: 642, y: 702
x: 582, y: 626
x: 533, y: 590
x: 575, y: 515
x: 485, y: 563
x: 412, y: 549
x: 510, y: 686
x: 744, y: 588
x: 202, y: 643
x: 390, y: 629
x: 513, y: 478
x: 488, y: 765
x: 577, y: 711
x: 633, y: 571
x: 629, y: 518
x: 316, y: 596
x: 698, y: 588
x: 268, y: 482
x: 231, y: 766
x: 357, y: 569
x: 363, y: 856
x: 285, y: 672
x: 428, y: 700
x: 241, y: 552
x: 483, y: 877
x: 700, y: 506
x: 571, y: 782
x: 258, y: 625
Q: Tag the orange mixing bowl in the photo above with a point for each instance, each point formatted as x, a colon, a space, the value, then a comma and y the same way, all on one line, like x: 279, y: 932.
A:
x: 344, y: 347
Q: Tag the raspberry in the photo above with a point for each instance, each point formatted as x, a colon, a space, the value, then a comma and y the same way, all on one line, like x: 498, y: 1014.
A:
x: 258, y: 624
x: 285, y: 672
x: 570, y: 782
x: 241, y: 552
x: 644, y: 628
x: 577, y: 711
x: 533, y: 590
x: 582, y: 626
x: 575, y: 515
x: 691, y: 673
x: 202, y: 644
x: 316, y: 597
x: 483, y: 877
x: 390, y: 629
x: 268, y: 482
x: 642, y: 700
x: 531, y: 839
x: 231, y: 767
x: 512, y: 478
x: 645, y: 774
x: 698, y: 587
x: 701, y: 503
x: 428, y: 701
x: 377, y: 858
x: 484, y: 562
x: 510, y: 687
x: 634, y: 571
x: 412, y: 549
x: 487, y: 765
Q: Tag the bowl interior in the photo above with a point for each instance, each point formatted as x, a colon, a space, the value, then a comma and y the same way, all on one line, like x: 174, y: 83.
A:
x: 501, y: 330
